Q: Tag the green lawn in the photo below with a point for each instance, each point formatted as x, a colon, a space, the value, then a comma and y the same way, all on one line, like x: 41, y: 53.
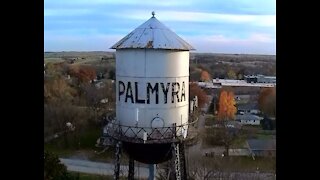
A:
x: 209, y: 120
x: 53, y: 60
x: 239, y: 142
x: 247, y: 163
x: 242, y: 163
x: 210, y: 138
x: 69, y: 146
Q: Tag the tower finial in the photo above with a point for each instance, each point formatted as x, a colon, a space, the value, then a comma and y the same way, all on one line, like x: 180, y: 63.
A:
x: 153, y: 13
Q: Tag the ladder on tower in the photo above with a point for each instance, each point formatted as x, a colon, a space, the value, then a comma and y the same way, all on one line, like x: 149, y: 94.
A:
x: 180, y: 162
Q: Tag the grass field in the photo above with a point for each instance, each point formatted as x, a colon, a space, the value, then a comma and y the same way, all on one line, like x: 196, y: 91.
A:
x: 209, y: 121
x: 69, y: 146
x: 53, y: 60
x: 239, y: 163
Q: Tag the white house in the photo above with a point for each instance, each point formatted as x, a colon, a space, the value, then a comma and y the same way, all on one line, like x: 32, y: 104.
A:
x: 249, y: 119
x: 251, y: 108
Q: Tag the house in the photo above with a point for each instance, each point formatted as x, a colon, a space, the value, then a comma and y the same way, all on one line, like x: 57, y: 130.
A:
x: 266, y: 79
x: 249, y: 119
x: 242, y: 97
x: 260, y: 79
x: 251, y: 108
x: 262, y: 147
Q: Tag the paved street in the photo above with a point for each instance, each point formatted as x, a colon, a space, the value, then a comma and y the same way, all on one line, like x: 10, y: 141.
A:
x: 99, y: 168
x: 201, y: 123
x: 91, y: 167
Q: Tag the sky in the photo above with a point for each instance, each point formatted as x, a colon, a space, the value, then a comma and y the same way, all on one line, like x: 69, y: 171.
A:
x: 214, y: 26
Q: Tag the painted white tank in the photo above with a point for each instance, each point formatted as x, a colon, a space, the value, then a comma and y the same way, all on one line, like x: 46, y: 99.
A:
x: 152, y: 79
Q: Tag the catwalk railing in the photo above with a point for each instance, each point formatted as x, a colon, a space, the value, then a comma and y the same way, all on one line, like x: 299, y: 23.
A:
x: 148, y: 135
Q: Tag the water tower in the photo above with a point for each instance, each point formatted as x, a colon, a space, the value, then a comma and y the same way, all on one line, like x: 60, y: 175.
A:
x: 152, y: 96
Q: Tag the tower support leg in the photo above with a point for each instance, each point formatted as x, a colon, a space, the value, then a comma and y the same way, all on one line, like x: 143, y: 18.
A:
x: 152, y: 168
x: 183, y: 166
x: 117, y: 161
x: 131, y: 169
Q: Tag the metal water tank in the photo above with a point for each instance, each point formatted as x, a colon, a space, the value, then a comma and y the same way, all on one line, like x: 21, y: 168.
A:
x: 152, y: 84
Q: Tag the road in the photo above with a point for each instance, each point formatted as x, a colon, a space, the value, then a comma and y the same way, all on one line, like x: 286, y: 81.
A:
x: 201, y: 126
x: 99, y: 168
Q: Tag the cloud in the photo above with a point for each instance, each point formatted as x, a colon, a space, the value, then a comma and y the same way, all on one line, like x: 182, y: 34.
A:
x: 252, y: 38
x: 253, y: 44
x: 253, y: 7
x: 216, y: 26
x: 98, y: 42
x: 67, y: 12
x: 188, y: 16
x: 162, y: 3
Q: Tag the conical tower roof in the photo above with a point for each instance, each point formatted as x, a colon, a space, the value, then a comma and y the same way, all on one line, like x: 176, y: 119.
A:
x: 152, y: 35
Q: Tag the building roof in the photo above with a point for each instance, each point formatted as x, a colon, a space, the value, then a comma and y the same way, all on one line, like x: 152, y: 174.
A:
x: 247, y: 106
x: 262, y: 144
x: 226, y: 81
x: 243, y: 96
x: 259, y: 76
x: 248, y: 117
x: 152, y: 35
x: 234, y: 124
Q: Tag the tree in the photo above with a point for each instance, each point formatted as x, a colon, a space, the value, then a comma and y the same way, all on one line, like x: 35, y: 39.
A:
x: 213, y: 106
x: 58, y: 89
x: 195, y: 90
x: 195, y: 73
x: 226, y: 112
x: 50, y: 68
x: 54, y: 169
x: 112, y: 74
x: 267, y: 101
x: 93, y: 96
x: 241, y: 72
x: 57, y: 115
x: 205, y: 76
x: 227, y: 109
x: 231, y: 74
x: 84, y: 74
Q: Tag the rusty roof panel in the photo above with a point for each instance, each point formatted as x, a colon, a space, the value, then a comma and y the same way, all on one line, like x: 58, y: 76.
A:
x: 152, y: 35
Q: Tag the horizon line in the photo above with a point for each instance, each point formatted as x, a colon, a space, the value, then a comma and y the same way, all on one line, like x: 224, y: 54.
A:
x: 189, y: 51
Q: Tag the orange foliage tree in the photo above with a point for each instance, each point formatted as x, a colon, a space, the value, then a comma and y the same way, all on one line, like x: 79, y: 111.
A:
x: 267, y: 101
x: 227, y: 109
x: 195, y: 90
x: 83, y: 73
x: 205, y: 76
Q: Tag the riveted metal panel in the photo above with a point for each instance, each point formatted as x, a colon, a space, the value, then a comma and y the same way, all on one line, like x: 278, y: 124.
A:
x: 151, y: 84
